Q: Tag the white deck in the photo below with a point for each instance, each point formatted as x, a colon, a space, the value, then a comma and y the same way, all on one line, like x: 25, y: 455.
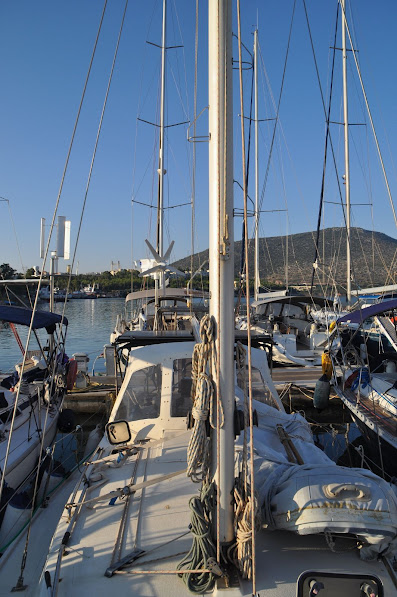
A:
x: 160, y: 514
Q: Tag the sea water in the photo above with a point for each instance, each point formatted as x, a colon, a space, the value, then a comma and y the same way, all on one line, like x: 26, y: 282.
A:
x: 91, y: 321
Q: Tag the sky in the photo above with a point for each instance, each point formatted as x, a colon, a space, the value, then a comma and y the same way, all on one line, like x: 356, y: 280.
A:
x: 45, y: 52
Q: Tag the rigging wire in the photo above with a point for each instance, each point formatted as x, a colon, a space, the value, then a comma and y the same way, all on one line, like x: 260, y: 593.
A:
x: 325, y: 114
x: 95, y: 149
x: 372, y: 127
x: 251, y: 497
x: 277, y: 109
x: 193, y: 216
x: 20, y: 579
x: 320, y: 210
x: 18, y: 248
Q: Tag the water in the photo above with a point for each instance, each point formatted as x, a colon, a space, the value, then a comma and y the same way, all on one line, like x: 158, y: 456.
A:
x: 90, y: 325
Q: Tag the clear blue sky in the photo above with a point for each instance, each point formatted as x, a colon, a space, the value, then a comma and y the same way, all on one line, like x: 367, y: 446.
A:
x: 45, y: 48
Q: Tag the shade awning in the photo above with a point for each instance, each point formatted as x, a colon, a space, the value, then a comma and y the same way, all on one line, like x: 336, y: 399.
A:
x: 360, y: 315
x: 23, y: 316
x: 317, y: 301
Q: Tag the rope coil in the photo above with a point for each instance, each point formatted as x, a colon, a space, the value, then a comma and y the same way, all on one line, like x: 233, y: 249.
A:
x: 240, y: 553
x: 203, y: 396
x: 202, y: 554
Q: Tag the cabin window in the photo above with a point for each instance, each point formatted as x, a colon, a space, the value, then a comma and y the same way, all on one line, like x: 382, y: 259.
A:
x: 181, y: 401
x: 142, y: 396
x: 260, y: 391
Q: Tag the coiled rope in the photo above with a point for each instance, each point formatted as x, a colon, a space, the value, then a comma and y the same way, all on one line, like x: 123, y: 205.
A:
x: 240, y: 553
x: 203, y: 396
x: 202, y: 554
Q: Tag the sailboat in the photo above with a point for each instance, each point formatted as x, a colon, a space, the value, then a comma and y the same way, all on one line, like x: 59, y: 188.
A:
x: 364, y: 352
x: 161, y: 308
x: 364, y: 344
x: 298, y: 335
x: 298, y: 338
x: 30, y: 402
x: 137, y: 524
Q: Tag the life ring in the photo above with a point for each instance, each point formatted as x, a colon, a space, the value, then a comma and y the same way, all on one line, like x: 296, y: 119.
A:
x: 71, y: 374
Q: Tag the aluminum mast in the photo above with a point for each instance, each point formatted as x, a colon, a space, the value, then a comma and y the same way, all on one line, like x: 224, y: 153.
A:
x: 347, y: 164
x: 159, y: 283
x: 221, y: 246
x: 257, y: 277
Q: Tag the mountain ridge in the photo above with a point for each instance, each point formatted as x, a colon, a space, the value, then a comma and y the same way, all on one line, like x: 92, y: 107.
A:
x: 373, y: 256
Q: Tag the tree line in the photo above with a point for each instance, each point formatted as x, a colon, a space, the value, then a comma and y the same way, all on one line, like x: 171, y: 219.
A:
x: 118, y: 283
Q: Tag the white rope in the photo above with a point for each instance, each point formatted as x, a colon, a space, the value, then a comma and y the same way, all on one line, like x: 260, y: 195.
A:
x: 203, y: 395
x: 241, y: 551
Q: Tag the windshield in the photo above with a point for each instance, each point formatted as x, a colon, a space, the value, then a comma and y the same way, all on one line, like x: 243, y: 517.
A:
x: 181, y: 401
x: 260, y: 391
x: 142, y: 396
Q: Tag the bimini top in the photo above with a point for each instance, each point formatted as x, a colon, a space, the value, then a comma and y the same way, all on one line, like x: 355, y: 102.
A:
x: 167, y: 293
x: 360, y: 315
x: 23, y: 316
x: 294, y: 300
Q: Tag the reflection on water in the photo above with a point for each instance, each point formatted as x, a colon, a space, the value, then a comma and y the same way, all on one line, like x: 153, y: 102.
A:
x: 91, y: 322
x: 333, y: 439
x: 345, y: 445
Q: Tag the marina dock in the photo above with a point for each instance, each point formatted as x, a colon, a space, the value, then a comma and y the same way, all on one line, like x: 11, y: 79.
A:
x: 97, y: 397
x: 299, y: 376
x: 295, y: 385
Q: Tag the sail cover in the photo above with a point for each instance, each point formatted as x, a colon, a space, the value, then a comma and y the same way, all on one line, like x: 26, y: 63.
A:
x: 318, y: 496
x: 360, y: 315
x: 23, y: 316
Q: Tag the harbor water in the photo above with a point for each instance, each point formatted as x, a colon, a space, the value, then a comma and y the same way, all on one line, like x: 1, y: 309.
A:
x: 91, y: 322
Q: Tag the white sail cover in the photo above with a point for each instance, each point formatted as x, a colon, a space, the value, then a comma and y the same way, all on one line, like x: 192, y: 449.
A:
x: 319, y: 496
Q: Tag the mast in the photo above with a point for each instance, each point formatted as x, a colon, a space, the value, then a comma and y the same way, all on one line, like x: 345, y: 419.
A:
x: 347, y: 164
x: 159, y: 283
x: 221, y: 253
x: 257, y: 277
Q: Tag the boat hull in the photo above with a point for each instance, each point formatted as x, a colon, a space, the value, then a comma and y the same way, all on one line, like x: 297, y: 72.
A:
x: 381, y: 443
x: 383, y: 454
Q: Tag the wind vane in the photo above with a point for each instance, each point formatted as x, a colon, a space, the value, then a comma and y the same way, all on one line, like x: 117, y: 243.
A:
x: 159, y: 264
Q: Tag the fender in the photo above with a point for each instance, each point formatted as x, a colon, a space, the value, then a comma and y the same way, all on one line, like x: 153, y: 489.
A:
x: 71, y: 374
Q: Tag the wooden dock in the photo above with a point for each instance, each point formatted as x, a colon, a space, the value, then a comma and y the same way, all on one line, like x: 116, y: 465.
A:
x: 299, y: 376
x: 97, y: 397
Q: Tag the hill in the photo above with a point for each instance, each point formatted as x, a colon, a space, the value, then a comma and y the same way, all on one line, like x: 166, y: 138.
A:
x: 373, y: 256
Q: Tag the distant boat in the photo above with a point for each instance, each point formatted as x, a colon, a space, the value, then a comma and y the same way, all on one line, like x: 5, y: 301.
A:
x: 90, y: 291
x: 59, y: 295
x: 298, y: 338
x: 77, y: 294
x: 87, y: 292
